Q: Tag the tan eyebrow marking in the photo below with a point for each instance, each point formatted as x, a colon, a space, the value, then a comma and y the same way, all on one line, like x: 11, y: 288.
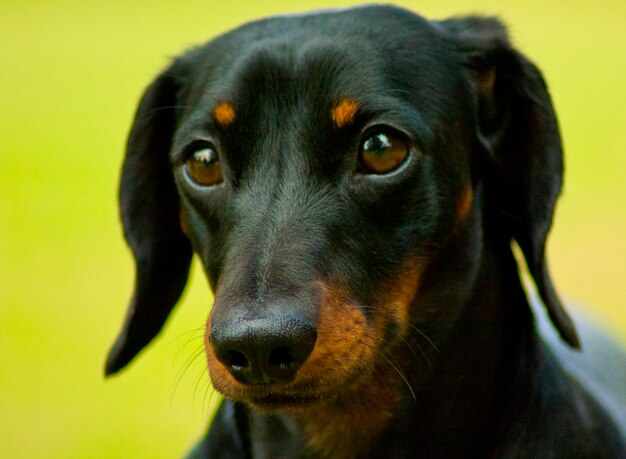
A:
x: 343, y: 113
x: 224, y: 113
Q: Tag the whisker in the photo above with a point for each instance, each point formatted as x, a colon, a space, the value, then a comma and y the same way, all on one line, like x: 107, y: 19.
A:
x: 213, y: 393
x: 189, y: 340
x: 200, y: 381
x: 401, y: 373
x: 404, y: 339
x: 434, y: 346
x: 410, y: 325
x: 397, y: 368
x: 188, y: 363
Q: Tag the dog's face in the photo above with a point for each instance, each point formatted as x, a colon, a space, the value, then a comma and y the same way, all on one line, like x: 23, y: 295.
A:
x: 333, y: 173
x: 314, y: 189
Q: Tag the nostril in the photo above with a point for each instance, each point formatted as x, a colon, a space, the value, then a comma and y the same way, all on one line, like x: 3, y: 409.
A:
x: 281, y: 357
x: 236, y: 360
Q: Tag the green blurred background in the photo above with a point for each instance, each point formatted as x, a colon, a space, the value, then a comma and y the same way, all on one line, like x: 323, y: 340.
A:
x: 71, y: 73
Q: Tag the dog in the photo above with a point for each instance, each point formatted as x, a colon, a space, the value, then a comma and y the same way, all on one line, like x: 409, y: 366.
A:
x: 363, y: 187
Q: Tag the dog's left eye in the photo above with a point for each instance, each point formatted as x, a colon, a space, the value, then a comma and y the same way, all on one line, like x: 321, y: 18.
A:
x: 382, y: 153
x: 204, y: 167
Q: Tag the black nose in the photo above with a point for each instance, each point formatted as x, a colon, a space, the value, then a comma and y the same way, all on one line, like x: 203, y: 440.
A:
x: 263, y: 350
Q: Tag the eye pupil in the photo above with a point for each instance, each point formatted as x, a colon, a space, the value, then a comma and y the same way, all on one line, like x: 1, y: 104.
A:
x: 204, y: 167
x: 382, y: 153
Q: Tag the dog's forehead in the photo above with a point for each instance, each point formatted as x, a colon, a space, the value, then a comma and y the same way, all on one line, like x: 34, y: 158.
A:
x: 276, y: 74
x: 335, y: 62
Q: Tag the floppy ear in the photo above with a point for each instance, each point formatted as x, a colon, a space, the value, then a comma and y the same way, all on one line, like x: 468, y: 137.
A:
x: 150, y: 216
x: 518, y: 128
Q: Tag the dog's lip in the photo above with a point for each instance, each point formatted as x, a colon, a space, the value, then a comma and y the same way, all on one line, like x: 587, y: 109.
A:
x: 294, y: 395
x: 278, y: 400
x: 277, y: 396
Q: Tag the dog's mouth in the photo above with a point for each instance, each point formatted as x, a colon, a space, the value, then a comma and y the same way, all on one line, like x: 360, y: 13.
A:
x: 313, y: 392
x: 341, y: 359
x: 276, y: 401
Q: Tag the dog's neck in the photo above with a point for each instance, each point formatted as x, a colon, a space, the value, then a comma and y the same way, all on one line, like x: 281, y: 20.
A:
x: 445, y: 404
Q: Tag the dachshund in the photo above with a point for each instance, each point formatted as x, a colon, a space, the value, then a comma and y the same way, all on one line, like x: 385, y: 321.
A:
x: 363, y: 188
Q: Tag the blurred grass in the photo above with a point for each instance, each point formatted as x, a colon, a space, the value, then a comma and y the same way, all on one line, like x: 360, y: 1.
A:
x: 71, y: 75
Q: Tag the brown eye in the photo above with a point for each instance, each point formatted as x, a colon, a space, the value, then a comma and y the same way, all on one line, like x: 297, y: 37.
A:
x: 382, y: 153
x: 204, y: 167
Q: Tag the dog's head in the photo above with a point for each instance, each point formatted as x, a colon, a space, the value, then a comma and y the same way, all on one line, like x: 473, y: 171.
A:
x: 322, y: 167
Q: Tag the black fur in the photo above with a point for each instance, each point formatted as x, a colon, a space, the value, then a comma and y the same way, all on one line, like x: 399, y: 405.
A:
x: 295, y: 208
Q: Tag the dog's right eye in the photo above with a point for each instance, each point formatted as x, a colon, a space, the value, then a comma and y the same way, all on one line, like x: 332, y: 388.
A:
x: 204, y: 168
x: 382, y: 153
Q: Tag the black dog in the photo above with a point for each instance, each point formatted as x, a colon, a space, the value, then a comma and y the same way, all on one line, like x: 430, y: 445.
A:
x: 353, y: 182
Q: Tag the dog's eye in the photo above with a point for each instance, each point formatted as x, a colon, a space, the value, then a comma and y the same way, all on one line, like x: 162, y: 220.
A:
x: 204, y: 167
x: 382, y: 153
